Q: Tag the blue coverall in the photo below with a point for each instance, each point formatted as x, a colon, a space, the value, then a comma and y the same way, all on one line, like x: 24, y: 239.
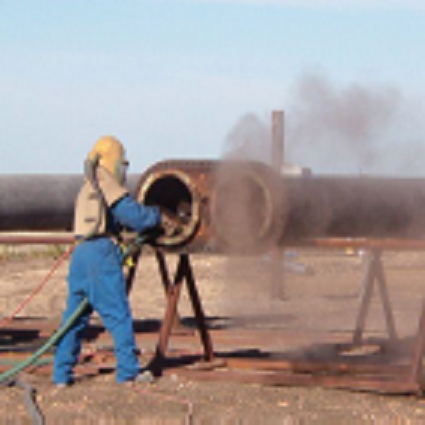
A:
x: 96, y: 273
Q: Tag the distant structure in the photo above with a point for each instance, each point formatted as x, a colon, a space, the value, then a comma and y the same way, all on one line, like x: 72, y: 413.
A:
x: 295, y: 170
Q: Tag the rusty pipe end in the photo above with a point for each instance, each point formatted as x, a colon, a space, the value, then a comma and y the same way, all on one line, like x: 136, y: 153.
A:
x: 175, y: 190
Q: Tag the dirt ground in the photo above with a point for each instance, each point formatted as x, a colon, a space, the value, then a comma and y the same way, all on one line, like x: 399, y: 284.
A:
x: 318, y: 303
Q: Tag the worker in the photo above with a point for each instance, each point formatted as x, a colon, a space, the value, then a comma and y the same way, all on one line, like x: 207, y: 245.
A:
x: 103, y: 208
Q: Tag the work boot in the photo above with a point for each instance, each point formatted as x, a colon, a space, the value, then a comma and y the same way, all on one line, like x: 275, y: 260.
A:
x: 62, y: 386
x: 144, y: 377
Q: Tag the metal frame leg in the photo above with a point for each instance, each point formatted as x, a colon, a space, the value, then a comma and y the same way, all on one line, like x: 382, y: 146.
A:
x: 418, y: 352
x: 184, y: 272
x: 386, y: 303
x: 374, y: 271
x: 166, y: 282
x: 197, y: 309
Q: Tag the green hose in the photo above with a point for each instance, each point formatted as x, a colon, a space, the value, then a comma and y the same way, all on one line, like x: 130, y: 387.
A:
x: 131, y: 248
x: 37, y: 363
x: 5, y: 376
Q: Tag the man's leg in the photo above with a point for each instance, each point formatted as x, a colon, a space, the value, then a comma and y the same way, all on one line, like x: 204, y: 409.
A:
x: 69, y: 346
x: 109, y: 299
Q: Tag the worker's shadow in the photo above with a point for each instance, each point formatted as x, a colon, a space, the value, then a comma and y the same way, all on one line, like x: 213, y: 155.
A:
x: 93, y: 331
x: 190, y: 323
x: 147, y: 326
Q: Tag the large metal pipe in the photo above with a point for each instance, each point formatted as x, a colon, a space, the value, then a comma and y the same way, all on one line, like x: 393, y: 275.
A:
x: 228, y: 206
x: 248, y: 206
x: 37, y: 202
x: 355, y: 207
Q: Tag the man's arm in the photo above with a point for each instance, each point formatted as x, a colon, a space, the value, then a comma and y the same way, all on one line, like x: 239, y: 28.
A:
x: 135, y: 216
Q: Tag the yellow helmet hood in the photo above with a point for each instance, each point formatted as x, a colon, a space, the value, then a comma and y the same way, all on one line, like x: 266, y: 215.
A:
x: 109, y: 153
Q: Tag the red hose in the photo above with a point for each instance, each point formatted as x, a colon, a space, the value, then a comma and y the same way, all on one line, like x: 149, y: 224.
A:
x: 38, y: 288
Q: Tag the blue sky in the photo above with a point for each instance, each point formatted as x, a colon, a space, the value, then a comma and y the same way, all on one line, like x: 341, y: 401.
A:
x: 173, y: 78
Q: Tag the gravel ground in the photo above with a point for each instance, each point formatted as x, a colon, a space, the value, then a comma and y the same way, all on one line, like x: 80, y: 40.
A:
x: 321, y: 291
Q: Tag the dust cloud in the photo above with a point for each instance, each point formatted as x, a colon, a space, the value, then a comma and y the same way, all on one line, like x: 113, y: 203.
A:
x: 250, y: 139
x: 241, y: 198
x: 330, y: 128
x: 245, y: 204
x: 340, y: 129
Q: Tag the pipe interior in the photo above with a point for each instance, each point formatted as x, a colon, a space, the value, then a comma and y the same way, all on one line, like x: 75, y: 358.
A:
x: 172, y: 194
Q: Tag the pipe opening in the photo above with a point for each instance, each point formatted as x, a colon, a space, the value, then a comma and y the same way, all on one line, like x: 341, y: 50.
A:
x: 175, y: 192
x: 170, y: 193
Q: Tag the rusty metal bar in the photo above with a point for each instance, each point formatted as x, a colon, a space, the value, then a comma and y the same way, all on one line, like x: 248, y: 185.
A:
x: 36, y: 238
x: 198, y: 310
x: 385, y: 299
x: 166, y: 283
x: 163, y: 270
x: 365, y: 298
x: 374, y: 272
x: 419, y: 350
x: 173, y: 297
